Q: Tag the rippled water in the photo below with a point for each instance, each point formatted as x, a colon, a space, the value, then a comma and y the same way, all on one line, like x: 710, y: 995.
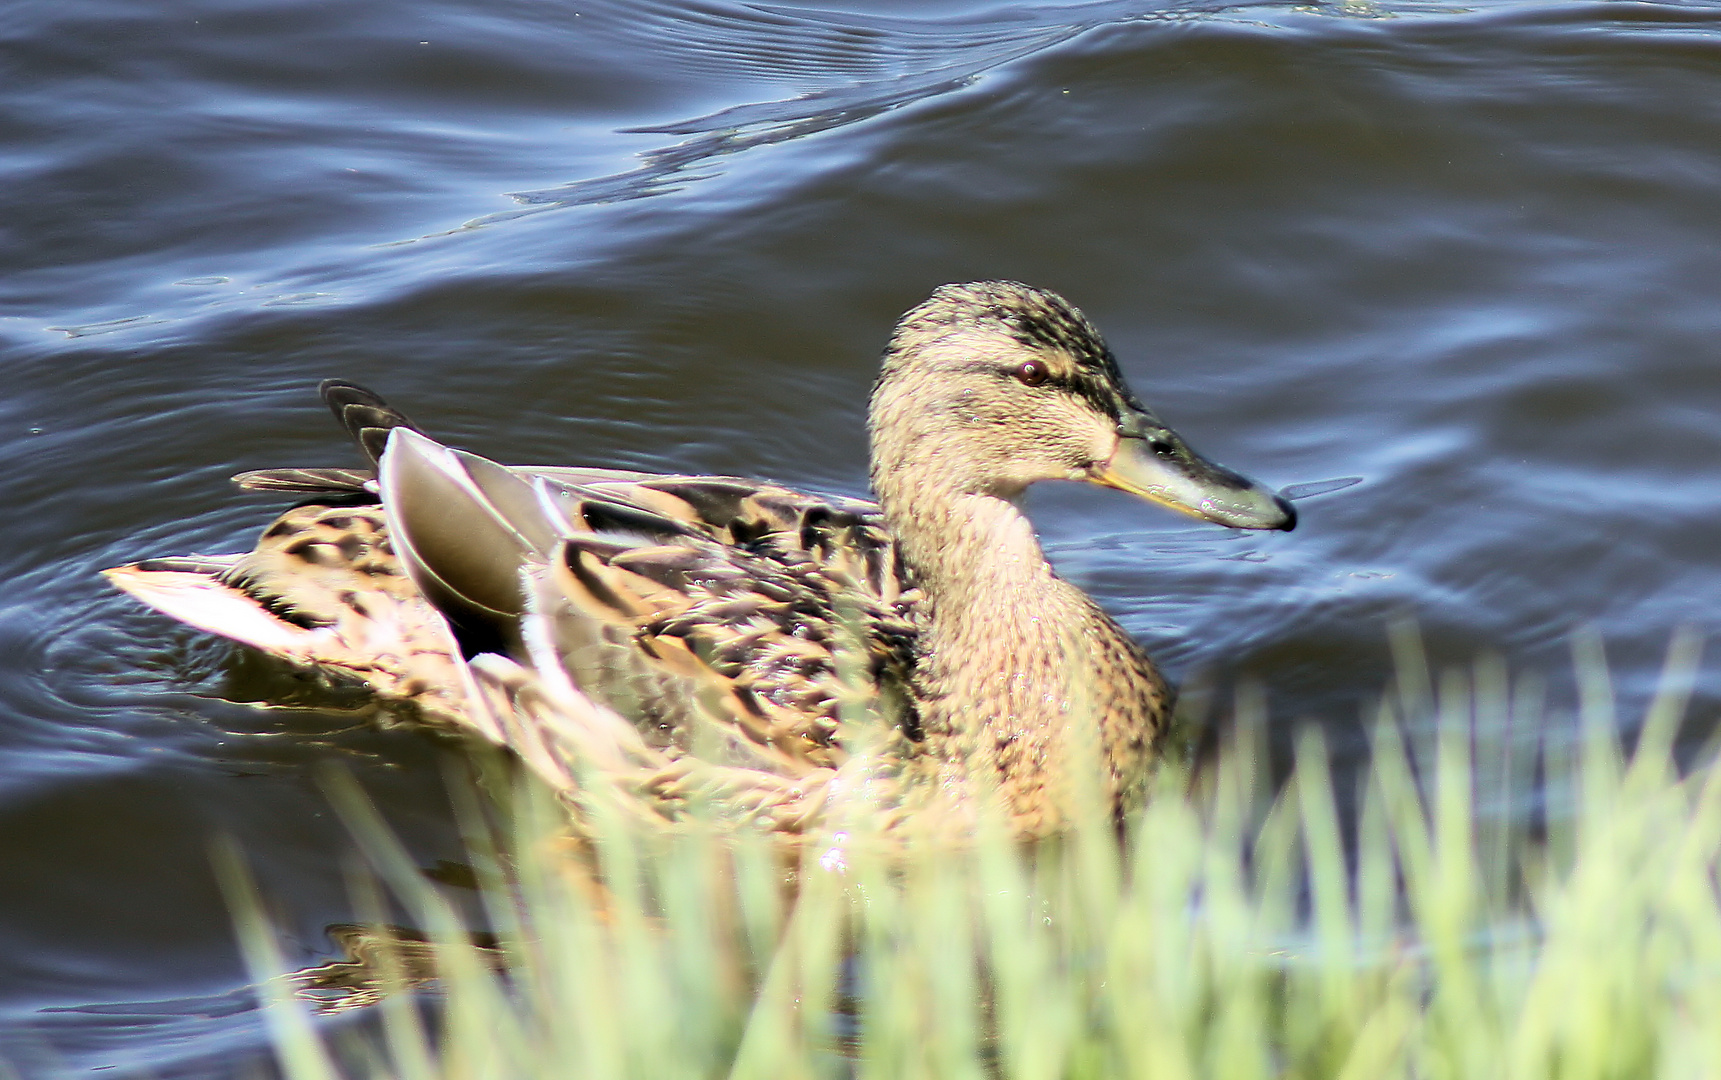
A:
x: 1470, y: 254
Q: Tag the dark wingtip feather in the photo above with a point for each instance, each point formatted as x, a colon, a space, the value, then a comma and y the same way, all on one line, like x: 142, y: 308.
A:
x: 365, y: 415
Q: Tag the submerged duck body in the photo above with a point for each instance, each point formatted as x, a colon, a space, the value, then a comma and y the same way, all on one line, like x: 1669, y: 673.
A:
x: 753, y: 636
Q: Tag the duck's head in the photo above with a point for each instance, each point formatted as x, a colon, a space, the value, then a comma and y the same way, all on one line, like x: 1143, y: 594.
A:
x: 992, y: 385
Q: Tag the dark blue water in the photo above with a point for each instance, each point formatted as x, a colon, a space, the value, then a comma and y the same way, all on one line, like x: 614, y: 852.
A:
x: 1469, y: 254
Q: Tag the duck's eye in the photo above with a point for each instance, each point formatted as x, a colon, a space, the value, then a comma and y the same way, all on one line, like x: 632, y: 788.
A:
x: 1162, y: 448
x: 1032, y: 373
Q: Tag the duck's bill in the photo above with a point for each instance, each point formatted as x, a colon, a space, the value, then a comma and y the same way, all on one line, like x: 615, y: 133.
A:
x: 1159, y: 466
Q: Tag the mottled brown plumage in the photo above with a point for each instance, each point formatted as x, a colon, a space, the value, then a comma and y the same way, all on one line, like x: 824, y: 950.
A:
x: 769, y: 649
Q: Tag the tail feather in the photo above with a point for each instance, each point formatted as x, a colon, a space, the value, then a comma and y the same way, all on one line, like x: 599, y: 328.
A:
x: 398, y: 646
x: 194, y: 594
x: 365, y: 415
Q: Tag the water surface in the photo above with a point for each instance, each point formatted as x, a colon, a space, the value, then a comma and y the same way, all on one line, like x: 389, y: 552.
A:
x: 1469, y: 254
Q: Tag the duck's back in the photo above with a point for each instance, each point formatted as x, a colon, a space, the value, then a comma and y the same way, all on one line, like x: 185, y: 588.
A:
x: 670, y: 598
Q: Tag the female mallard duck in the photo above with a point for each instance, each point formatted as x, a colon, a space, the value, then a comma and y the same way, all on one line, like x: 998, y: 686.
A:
x: 748, y: 631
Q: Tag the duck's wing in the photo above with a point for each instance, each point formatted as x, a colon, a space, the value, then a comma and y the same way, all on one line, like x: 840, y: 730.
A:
x: 738, y: 620
x: 569, y: 740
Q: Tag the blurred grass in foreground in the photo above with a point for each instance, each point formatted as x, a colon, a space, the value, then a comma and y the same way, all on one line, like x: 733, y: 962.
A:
x: 1425, y: 931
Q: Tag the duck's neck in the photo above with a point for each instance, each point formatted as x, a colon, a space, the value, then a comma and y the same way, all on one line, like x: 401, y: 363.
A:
x: 1022, y: 675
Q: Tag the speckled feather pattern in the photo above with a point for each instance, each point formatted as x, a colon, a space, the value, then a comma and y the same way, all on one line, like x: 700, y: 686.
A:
x: 322, y: 589
x: 748, y: 593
